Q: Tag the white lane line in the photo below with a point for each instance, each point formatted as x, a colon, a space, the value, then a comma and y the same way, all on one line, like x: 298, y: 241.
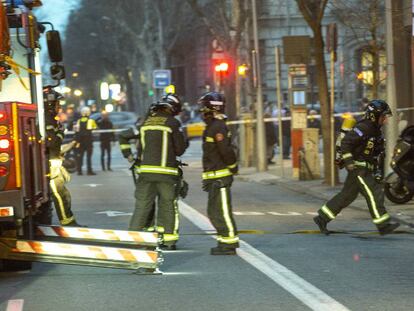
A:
x: 308, y: 294
x: 15, y: 305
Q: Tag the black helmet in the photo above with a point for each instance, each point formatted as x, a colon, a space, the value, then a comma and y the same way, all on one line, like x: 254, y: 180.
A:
x: 212, y: 102
x: 51, y: 98
x: 171, y: 101
x: 377, y: 108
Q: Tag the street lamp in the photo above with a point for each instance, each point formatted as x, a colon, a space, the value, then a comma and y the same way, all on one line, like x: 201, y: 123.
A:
x: 77, y: 93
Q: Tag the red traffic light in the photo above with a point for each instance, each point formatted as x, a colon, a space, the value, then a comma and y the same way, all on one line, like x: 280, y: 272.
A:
x: 222, y: 67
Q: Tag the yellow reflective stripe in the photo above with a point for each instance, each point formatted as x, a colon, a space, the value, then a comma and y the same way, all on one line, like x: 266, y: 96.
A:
x: 50, y: 127
x: 381, y: 219
x: 364, y: 164
x: 209, y: 139
x: 170, y: 237
x: 159, y: 229
x: 228, y: 240
x: 125, y: 146
x: 142, y: 140
x: 164, y: 148
x: 226, y: 212
x: 158, y: 170
x: 233, y: 165
x: 217, y: 174
x: 347, y: 155
x: 177, y: 218
x: 328, y: 212
x: 156, y: 128
x: 137, y: 169
x: 371, y: 197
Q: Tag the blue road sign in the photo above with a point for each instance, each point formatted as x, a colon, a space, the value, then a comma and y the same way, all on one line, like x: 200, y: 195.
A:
x: 161, y: 78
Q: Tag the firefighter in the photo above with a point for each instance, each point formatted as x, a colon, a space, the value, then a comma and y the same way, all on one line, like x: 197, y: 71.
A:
x: 84, y: 138
x: 58, y: 174
x: 125, y: 139
x: 219, y: 165
x: 361, y: 149
x: 161, y: 142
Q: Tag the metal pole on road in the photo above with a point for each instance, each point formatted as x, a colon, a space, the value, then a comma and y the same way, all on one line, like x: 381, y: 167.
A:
x: 391, y: 129
x: 332, y: 103
x: 260, y: 128
x: 279, y: 107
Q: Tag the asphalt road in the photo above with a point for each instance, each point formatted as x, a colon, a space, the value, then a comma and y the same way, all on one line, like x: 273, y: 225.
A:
x: 281, y: 265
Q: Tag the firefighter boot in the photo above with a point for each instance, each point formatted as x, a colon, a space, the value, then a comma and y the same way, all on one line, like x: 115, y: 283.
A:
x: 221, y: 250
x: 387, y: 228
x: 322, y: 224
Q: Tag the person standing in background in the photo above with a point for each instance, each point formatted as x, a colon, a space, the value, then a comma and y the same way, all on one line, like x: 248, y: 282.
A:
x: 106, y: 138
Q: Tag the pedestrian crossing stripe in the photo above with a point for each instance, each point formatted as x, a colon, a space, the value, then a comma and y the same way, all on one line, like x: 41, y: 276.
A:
x: 86, y: 251
x: 149, y: 238
x: 252, y: 213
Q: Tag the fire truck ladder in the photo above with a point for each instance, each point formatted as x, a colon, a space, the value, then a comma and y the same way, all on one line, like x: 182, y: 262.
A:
x: 132, y: 250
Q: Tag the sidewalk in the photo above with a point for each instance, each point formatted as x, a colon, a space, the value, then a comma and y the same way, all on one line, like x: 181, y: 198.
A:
x: 404, y: 213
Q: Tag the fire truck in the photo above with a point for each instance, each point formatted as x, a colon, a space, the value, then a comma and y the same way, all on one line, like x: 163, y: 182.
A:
x: 26, y: 233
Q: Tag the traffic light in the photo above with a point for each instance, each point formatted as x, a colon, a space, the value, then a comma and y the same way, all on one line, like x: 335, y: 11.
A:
x: 170, y: 89
x: 222, y: 67
x: 242, y: 70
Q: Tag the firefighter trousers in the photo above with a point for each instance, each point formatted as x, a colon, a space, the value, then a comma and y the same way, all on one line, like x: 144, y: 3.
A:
x: 360, y: 180
x: 62, y: 200
x: 219, y: 210
x: 167, y: 221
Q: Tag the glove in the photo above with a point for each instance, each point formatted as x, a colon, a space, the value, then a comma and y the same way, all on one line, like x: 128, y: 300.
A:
x: 183, y: 189
x: 350, y: 167
x: 206, y: 185
x: 131, y: 159
x: 234, y: 169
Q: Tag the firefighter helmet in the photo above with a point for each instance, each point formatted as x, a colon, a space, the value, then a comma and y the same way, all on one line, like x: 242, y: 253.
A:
x: 171, y: 101
x: 212, y: 102
x: 51, y: 98
x: 377, y: 108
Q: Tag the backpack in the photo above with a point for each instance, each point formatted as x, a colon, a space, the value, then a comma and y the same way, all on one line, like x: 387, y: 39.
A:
x: 347, y: 125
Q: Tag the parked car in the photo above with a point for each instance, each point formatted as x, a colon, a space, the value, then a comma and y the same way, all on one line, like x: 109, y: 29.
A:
x: 120, y: 119
x: 195, y: 127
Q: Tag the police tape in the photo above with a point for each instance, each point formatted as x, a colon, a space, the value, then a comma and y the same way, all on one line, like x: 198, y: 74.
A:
x: 251, y: 121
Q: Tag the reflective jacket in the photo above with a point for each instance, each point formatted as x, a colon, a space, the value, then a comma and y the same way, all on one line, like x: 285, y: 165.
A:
x: 363, y: 144
x: 161, y: 141
x: 85, y: 127
x: 219, y: 156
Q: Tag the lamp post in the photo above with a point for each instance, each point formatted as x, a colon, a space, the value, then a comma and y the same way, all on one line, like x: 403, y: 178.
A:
x: 260, y: 127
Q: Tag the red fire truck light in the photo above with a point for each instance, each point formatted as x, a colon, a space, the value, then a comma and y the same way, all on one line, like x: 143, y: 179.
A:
x: 4, y: 144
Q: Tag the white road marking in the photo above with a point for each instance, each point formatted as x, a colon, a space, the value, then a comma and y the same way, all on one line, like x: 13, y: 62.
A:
x: 249, y: 213
x: 15, y: 305
x: 114, y: 213
x: 308, y: 294
x: 92, y: 185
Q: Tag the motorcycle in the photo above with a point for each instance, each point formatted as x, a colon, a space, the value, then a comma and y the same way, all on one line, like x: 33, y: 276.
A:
x: 399, y: 184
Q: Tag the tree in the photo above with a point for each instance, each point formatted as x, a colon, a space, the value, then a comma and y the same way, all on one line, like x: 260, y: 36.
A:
x: 365, y: 21
x: 313, y: 12
x: 225, y: 20
x: 128, y: 39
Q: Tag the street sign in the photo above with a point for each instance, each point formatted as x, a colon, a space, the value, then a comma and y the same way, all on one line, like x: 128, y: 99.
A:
x: 161, y: 78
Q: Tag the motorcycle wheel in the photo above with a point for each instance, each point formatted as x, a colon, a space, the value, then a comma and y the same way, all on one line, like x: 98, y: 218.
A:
x: 397, y: 192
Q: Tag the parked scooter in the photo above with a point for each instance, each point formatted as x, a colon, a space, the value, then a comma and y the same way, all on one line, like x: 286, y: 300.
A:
x: 399, y: 185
